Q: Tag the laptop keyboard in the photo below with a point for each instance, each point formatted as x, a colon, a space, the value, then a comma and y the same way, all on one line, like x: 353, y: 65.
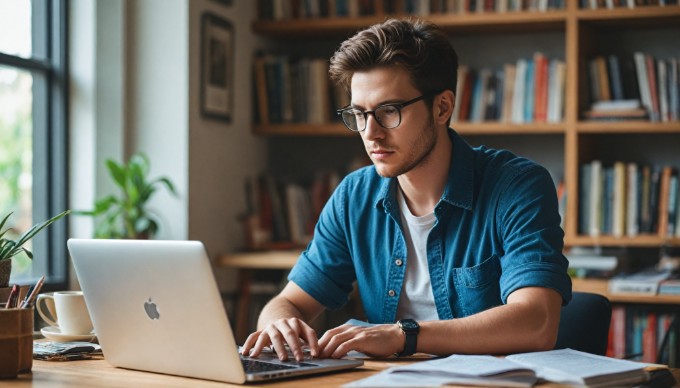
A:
x: 252, y: 366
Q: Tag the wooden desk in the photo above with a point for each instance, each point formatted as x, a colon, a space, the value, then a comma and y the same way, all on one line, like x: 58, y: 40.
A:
x: 245, y: 263
x: 98, y: 373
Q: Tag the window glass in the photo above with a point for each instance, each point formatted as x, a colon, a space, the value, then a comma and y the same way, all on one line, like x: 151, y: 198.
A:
x: 15, y: 27
x: 16, y: 158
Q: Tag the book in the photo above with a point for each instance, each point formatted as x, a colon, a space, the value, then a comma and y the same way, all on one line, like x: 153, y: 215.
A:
x: 645, y: 282
x: 563, y: 366
x: 616, y: 105
x: 670, y: 287
x: 595, y: 262
x: 595, y: 198
x: 632, y: 200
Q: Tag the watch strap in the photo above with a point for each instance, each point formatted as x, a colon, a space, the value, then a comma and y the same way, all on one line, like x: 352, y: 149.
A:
x: 410, y: 340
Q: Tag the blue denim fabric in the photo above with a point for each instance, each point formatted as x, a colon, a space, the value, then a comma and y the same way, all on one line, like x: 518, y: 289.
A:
x: 497, y: 230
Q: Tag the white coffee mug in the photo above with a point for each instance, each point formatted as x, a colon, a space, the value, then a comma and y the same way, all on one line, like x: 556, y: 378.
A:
x: 70, y: 312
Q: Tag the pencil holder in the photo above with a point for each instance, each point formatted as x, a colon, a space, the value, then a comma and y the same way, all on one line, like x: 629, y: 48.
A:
x: 16, y: 341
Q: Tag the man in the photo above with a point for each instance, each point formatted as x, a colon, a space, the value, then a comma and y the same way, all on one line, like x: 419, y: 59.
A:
x: 460, y: 246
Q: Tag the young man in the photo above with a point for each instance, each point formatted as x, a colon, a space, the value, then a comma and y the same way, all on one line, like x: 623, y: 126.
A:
x: 454, y: 249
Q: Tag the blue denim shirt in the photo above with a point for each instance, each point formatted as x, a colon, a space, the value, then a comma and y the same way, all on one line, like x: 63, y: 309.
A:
x: 497, y: 230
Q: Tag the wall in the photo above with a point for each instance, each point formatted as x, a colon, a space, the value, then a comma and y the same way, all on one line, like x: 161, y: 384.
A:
x: 157, y: 95
x: 221, y: 154
x: 135, y: 83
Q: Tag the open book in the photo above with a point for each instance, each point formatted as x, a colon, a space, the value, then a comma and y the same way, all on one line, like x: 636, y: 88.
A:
x: 564, y: 366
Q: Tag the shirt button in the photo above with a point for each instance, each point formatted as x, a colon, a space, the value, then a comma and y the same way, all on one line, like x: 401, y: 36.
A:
x: 398, y: 262
x: 391, y: 293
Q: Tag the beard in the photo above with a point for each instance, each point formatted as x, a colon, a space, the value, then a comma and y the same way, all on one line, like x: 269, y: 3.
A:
x: 417, y: 155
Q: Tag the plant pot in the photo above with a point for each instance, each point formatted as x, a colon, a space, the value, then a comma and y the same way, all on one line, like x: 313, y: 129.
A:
x: 5, y: 272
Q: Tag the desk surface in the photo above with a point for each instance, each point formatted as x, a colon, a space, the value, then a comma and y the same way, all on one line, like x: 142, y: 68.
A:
x: 99, y: 373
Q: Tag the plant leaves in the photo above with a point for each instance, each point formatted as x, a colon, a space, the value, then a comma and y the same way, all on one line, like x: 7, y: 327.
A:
x: 117, y: 172
x: 168, y: 184
x: 2, y: 224
x: 35, y: 229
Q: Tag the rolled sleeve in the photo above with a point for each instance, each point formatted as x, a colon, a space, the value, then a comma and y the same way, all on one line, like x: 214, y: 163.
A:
x: 533, y: 238
x: 536, y: 274
x: 317, y: 284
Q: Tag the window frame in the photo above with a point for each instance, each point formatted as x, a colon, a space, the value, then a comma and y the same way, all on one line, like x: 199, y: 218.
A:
x: 48, y: 65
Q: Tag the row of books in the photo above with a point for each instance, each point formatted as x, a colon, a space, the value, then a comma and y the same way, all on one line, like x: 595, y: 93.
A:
x: 288, y: 211
x: 428, y: 7
x: 641, y: 77
x: 611, y: 4
x: 295, y: 91
x: 644, y: 334
x: 531, y: 90
x: 629, y: 199
x: 305, y: 9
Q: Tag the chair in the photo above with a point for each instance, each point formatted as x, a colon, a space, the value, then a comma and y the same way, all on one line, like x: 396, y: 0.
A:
x: 584, y: 323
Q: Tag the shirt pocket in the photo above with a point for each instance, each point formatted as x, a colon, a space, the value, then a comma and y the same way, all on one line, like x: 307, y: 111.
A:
x: 478, y: 287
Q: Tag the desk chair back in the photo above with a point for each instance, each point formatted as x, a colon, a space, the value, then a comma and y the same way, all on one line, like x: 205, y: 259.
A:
x: 584, y: 323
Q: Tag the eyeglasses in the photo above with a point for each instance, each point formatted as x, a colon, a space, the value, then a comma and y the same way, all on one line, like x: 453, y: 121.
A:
x: 388, y: 116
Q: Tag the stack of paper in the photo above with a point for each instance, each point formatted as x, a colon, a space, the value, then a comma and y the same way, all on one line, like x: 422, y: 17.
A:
x: 565, y: 366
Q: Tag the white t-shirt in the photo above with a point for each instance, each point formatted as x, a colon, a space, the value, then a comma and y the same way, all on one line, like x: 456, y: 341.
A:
x: 416, y: 300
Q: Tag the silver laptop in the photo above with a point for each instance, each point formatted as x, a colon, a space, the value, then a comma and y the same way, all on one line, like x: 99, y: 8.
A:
x: 155, y: 307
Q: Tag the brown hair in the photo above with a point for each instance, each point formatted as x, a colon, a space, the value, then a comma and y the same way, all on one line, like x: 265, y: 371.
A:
x: 419, y: 47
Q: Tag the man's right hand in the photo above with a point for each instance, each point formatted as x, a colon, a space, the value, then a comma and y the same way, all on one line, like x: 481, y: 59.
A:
x: 285, y: 331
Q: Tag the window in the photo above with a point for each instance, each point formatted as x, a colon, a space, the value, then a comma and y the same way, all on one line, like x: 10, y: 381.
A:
x: 33, y: 122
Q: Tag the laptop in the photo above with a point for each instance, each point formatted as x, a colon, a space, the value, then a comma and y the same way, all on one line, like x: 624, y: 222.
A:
x: 156, y: 307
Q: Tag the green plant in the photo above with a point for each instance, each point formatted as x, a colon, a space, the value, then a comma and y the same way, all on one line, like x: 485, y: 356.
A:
x: 10, y: 248
x: 126, y: 215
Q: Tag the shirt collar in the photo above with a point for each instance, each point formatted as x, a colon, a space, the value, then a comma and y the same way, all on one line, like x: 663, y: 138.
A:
x: 459, y: 185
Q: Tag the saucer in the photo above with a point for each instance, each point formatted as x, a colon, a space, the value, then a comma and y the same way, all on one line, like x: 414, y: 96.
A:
x: 52, y: 333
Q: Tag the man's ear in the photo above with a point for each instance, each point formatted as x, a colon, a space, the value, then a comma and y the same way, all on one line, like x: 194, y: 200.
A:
x: 443, y: 106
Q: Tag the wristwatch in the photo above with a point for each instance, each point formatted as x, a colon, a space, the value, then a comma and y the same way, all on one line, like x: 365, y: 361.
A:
x: 410, y: 329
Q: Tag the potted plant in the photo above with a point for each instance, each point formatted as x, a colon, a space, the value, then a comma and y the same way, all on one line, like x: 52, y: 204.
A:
x: 126, y: 215
x: 10, y: 248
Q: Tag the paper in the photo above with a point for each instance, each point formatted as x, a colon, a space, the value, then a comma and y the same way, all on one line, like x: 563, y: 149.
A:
x: 565, y: 366
x: 569, y: 366
x: 456, y: 369
x: 65, y: 351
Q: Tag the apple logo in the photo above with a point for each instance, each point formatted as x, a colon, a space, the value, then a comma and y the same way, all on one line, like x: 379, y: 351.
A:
x: 151, y: 309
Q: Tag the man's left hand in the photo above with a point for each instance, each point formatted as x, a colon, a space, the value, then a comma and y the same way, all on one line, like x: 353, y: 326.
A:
x: 374, y: 341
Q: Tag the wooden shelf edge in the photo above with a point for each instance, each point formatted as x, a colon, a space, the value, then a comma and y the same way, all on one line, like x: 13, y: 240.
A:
x: 637, y: 241
x: 464, y: 128
x: 642, y: 127
x: 328, y: 129
x: 496, y: 128
x: 652, y: 12
x: 600, y: 286
x: 522, y: 21
x: 274, y: 259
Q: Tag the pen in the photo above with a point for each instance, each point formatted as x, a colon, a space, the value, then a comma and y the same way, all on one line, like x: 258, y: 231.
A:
x: 27, y: 296
x: 30, y: 299
x: 13, y: 297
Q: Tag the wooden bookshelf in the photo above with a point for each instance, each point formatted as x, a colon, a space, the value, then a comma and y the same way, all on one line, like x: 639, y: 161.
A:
x: 578, y: 25
x: 599, y: 286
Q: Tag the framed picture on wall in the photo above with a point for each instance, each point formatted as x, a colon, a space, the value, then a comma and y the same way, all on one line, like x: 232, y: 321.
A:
x: 217, y: 67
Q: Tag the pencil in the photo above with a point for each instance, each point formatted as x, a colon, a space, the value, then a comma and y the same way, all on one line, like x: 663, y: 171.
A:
x: 30, y: 299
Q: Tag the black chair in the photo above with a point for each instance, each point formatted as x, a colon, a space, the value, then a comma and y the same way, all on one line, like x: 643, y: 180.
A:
x: 584, y: 323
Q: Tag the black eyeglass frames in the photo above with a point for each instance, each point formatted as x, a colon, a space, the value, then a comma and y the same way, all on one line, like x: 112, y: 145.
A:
x: 388, y: 116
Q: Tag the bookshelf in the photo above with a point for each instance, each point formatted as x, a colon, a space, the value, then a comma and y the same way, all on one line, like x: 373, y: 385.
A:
x: 580, y: 138
x: 581, y: 34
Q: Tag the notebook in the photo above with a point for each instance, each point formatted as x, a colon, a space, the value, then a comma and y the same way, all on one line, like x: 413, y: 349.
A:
x: 156, y: 307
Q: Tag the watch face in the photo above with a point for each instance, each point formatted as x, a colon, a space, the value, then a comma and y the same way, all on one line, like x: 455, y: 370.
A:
x: 409, y: 324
